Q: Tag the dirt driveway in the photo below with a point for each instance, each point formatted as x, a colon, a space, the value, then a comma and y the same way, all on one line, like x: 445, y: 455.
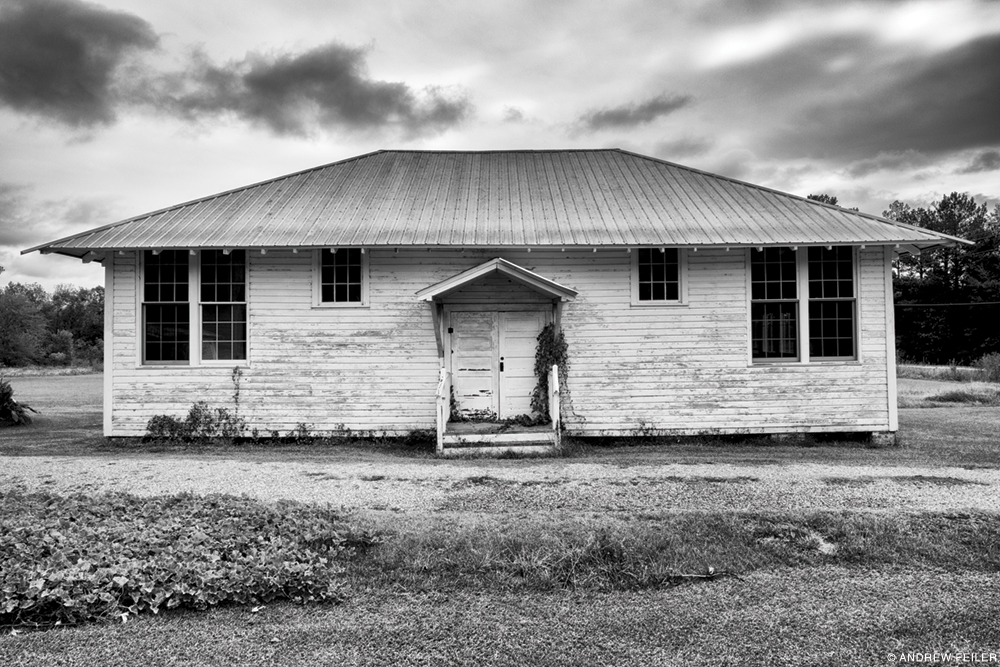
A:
x: 427, y: 485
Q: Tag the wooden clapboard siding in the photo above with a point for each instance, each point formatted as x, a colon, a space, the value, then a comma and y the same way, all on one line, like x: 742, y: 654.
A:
x: 682, y: 369
x: 686, y: 369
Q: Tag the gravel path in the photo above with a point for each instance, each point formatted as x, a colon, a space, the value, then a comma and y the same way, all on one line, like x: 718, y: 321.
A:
x: 378, y: 484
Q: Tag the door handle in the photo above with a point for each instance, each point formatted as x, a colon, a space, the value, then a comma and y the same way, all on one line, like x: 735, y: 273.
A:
x: 501, y: 364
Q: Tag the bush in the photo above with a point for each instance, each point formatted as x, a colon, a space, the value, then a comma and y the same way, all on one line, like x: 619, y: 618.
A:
x: 71, y: 559
x: 989, y: 364
x: 10, y: 410
x: 201, y: 424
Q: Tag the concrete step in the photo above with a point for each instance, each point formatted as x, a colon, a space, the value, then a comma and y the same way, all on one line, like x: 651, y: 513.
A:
x: 535, y: 449
x: 464, y: 439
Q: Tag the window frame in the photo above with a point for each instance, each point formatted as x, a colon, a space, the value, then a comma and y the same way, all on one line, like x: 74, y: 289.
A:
x: 317, y: 271
x: 202, y: 303
x: 808, y: 300
x: 141, y: 313
x: 802, y: 301
x: 195, y: 359
x: 682, y: 283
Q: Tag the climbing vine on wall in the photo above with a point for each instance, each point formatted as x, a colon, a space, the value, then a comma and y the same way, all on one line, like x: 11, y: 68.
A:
x: 551, y: 350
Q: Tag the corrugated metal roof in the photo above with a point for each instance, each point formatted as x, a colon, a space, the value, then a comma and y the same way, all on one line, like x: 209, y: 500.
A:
x: 563, y: 198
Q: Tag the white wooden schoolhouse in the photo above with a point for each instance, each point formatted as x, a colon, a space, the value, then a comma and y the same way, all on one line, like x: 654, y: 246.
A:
x: 394, y: 291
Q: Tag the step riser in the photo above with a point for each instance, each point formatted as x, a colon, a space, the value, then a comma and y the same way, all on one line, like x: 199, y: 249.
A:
x: 536, y: 450
x: 498, y: 439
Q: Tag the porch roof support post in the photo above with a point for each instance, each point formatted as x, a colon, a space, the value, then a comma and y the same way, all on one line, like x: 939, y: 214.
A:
x: 437, y: 314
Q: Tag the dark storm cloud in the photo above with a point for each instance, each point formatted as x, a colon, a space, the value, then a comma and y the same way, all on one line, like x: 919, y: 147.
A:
x: 58, y: 58
x: 985, y: 161
x: 289, y: 94
x: 936, y: 104
x: 632, y: 115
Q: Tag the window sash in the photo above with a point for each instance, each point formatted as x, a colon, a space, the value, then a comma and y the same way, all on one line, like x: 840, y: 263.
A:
x: 775, y: 329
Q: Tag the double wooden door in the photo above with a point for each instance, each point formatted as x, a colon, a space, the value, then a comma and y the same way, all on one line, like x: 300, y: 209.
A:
x: 493, y: 360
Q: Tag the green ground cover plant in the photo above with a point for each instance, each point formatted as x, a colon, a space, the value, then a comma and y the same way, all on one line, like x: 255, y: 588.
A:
x: 77, y: 558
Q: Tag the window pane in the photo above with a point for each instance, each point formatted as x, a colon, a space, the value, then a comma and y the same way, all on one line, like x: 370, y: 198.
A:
x: 224, y: 331
x: 341, y: 276
x: 774, y: 330
x: 831, y: 328
x: 658, y: 274
x: 772, y: 274
x: 223, y: 277
x: 167, y: 332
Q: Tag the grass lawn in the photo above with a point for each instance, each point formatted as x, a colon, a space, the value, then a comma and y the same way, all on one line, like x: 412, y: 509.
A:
x: 550, y: 586
x: 818, y: 616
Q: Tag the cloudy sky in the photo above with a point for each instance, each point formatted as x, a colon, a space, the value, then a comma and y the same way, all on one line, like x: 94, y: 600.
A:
x: 113, y: 108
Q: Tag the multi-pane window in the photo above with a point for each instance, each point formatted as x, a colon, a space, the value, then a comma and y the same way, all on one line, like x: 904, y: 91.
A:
x: 341, y: 276
x: 774, y: 304
x: 831, y: 302
x: 223, y: 305
x: 166, y: 310
x: 658, y: 275
x: 780, y: 279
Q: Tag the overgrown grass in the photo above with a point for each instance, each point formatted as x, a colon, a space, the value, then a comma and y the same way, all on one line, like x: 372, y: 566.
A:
x: 988, y: 397
x: 68, y: 559
x: 665, y: 550
x: 826, y: 617
x: 951, y: 373
x: 50, y: 371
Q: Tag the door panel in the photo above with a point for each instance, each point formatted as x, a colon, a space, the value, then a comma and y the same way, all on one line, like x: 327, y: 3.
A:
x: 493, y: 361
x: 518, y: 340
x: 474, y: 361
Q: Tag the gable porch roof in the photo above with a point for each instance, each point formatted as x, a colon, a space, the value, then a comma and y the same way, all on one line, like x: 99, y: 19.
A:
x: 501, y: 266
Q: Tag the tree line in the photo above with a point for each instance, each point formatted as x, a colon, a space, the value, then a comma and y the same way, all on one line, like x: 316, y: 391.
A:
x: 63, y: 328
x: 947, y: 300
